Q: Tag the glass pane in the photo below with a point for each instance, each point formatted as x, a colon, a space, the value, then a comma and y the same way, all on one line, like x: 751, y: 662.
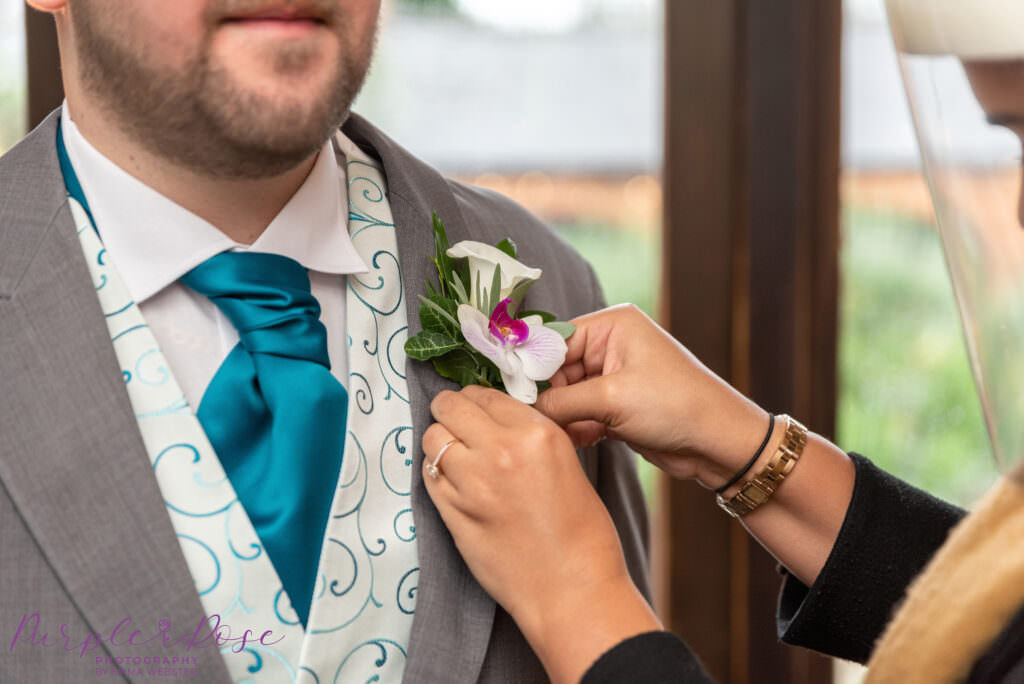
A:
x: 12, y: 73
x: 907, y: 398
x: 556, y: 105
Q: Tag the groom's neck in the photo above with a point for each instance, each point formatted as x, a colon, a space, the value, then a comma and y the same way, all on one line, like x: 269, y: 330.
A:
x: 241, y: 208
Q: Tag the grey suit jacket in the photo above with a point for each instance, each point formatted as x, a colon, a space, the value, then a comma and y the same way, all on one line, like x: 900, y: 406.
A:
x: 85, y: 542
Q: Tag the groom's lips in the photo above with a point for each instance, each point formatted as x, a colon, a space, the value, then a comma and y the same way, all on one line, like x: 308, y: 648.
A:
x: 279, y: 19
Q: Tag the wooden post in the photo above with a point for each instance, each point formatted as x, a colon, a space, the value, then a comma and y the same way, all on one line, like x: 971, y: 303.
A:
x: 45, y: 89
x: 750, y: 263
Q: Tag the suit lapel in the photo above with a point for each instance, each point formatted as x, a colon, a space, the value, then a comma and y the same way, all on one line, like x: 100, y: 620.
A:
x: 73, y: 460
x: 454, y: 615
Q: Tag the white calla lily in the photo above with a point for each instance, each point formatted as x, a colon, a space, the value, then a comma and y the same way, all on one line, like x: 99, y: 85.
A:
x: 483, y: 259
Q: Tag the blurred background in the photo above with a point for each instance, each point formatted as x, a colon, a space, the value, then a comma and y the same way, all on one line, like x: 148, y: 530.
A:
x: 584, y: 111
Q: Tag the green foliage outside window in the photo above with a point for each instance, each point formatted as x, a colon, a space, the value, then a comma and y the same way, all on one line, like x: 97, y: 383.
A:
x: 12, y: 116
x: 907, y: 398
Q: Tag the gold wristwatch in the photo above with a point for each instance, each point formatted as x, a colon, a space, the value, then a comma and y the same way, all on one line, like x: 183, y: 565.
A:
x: 756, y: 491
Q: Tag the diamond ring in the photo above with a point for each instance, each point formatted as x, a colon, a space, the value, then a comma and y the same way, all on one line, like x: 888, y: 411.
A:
x: 432, y: 469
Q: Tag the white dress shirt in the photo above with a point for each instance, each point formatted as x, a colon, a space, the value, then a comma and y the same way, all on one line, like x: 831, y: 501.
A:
x: 153, y: 241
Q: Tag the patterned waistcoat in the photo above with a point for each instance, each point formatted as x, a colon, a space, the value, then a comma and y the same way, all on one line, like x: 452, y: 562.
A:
x: 363, y: 603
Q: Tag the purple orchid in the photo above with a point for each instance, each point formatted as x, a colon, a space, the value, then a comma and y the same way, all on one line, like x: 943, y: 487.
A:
x: 523, y: 349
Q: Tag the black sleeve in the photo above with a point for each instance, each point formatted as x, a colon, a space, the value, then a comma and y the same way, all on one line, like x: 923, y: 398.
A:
x: 890, y: 532
x: 651, y: 658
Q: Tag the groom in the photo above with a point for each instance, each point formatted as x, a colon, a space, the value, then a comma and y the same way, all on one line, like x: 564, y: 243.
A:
x: 208, y: 431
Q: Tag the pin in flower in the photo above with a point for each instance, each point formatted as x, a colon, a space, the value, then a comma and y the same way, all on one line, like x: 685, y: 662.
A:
x: 473, y: 330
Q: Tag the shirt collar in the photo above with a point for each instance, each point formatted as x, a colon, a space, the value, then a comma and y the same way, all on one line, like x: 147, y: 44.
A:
x: 154, y: 241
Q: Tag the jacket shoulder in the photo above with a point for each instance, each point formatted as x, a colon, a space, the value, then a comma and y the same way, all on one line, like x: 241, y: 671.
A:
x: 31, y: 196
x: 31, y: 169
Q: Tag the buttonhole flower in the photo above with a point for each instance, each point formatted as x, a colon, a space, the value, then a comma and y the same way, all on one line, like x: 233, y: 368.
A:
x: 524, y: 351
x: 471, y: 333
x: 483, y: 259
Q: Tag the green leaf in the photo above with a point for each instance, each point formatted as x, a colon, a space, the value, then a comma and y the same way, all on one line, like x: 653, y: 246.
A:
x: 562, y: 328
x: 495, y: 294
x: 440, y: 234
x: 489, y: 371
x: 440, y: 275
x: 508, y: 247
x: 459, y: 288
x: 461, y: 269
x: 435, y: 321
x: 543, y: 386
x: 519, y: 291
x: 449, y: 305
x: 440, y: 310
x: 544, y: 315
x: 443, y: 262
x: 427, y: 345
x: 459, y: 365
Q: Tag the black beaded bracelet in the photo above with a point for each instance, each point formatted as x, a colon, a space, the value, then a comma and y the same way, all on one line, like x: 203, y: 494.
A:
x: 750, y: 464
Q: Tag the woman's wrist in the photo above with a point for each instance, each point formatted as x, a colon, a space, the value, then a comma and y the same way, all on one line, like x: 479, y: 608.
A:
x: 734, y: 449
x: 573, y: 630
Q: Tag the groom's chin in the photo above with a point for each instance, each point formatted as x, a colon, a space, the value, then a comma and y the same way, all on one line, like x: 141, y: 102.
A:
x: 272, y: 67
x: 256, y: 137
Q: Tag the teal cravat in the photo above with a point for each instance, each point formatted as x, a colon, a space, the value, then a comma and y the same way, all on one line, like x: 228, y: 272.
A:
x: 273, y: 412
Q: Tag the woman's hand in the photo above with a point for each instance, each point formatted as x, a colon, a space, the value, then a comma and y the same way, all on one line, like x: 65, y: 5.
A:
x: 625, y: 378
x: 531, y: 528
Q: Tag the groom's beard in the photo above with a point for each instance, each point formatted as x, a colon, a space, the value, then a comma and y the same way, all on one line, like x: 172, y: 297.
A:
x: 198, y: 116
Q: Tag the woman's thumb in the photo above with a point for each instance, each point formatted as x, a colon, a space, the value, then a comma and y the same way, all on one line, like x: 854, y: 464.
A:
x: 583, y: 401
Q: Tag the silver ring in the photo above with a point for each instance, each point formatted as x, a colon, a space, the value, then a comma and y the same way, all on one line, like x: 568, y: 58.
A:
x: 432, y: 469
